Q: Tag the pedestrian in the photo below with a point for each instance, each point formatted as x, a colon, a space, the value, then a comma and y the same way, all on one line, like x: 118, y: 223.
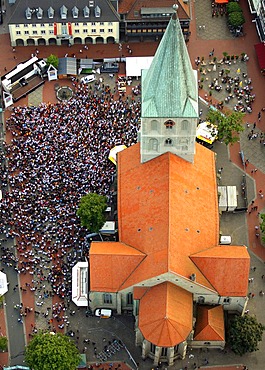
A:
x: 254, y: 125
x: 261, y: 293
x: 252, y: 295
x: 259, y: 116
x: 257, y: 235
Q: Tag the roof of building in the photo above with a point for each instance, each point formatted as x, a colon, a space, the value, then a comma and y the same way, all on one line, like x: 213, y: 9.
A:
x: 165, y: 315
x: 67, y: 66
x: 169, y: 86
x: 107, y: 11
x: 210, y: 324
x: 107, y: 261
x: 132, y: 8
x: 226, y: 267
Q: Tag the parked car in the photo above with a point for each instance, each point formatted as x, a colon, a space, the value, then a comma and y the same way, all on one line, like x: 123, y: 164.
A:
x: 87, y: 79
x: 104, y: 313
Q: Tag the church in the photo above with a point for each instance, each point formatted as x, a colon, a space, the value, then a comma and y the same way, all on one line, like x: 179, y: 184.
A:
x: 167, y: 267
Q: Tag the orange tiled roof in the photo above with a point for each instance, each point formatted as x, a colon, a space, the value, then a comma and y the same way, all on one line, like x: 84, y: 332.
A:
x: 226, y: 267
x: 128, y: 7
x: 111, y: 264
x: 165, y: 315
x: 210, y: 324
x: 151, y: 221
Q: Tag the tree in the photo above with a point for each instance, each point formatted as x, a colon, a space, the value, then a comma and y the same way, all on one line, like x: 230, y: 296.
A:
x: 229, y: 125
x: 244, y: 334
x: 49, y: 351
x: 3, y: 343
x: 53, y: 60
x: 262, y: 226
x: 236, y: 19
x: 91, y: 211
x: 233, y: 7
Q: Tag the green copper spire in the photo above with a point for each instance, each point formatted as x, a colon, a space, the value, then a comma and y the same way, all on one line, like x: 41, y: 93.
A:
x: 169, y: 86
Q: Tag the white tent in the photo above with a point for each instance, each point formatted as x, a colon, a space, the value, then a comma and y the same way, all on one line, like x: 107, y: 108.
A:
x: 3, y: 284
x: 134, y: 65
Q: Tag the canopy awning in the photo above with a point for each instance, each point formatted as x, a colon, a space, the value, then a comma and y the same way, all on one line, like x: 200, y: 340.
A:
x: 221, y: 1
x: 3, y: 284
x: 260, y: 51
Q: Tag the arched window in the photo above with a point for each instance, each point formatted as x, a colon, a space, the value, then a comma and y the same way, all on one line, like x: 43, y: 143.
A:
x: 153, y: 145
x: 184, y: 125
x: 168, y: 142
x: 169, y: 124
x: 154, y: 125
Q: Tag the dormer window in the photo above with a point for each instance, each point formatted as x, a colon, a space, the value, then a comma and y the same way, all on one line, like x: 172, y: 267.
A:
x: 50, y: 12
x: 39, y: 13
x: 169, y: 124
x: 91, y: 3
x: 63, y: 12
x: 86, y: 11
x: 28, y: 13
x: 97, y: 11
x: 75, y: 12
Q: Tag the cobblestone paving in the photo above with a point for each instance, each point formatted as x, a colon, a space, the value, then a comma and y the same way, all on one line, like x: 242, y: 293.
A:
x: 206, y: 28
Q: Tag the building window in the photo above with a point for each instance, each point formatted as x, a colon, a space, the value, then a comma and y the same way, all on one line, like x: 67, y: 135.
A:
x: 152, y: 348
x: 42, y: 25
x: 184, y: 125
x: 168, y: 142
x: 130, y: 298
x: 76, y: 31
x: 93, y: 23
x: 176, y: 349
x: 110, y: 30
x: 101, y: 23
x: 17, y: 25
x: 34, y: 25
x: 110, y: 23
x: 50, y: 24
x: 18, y: 33
x: 85, y: 24
x: 101, y: 30
x: 63, y: 24
x: 154, y: 125
x: 26, y: 25
x: 85, y: 30
x: 43, y: 32
x: 35, y: 32
x: 26, y: 32
x: 169, y: 124
x: 51, y: 32
x: 107, y: 298
x: 153, y: 145
x: 227, y: 300
x: 164, y: 352
x: 76, y: 24
x: 93, y: 30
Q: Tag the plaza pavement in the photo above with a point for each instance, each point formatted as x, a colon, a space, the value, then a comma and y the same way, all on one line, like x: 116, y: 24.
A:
x: 239, y: 226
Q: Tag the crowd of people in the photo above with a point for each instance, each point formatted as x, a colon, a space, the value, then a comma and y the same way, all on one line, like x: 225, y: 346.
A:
x: 58, y: 153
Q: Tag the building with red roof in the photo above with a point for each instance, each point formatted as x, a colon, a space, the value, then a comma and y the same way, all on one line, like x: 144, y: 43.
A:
x: 168, y: 267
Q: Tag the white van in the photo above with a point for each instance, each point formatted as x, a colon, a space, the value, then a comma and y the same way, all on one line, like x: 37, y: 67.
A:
x: 103, y: 313
x: 225, y: 240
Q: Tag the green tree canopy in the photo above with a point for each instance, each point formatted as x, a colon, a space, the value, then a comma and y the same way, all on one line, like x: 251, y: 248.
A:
x: 48, y: 351
x: 3, y: 343
x: 53, y: 60
x: 229, y: 124
x: 236, y: 19
x: 91, y: 211
x: 233, y: 7
x: 244, y: 334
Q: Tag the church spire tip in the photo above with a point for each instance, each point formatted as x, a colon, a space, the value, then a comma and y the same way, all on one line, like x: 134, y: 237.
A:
x: 175, y: 7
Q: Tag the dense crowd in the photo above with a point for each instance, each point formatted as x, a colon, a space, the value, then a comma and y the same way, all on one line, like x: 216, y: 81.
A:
x: 59, y: 152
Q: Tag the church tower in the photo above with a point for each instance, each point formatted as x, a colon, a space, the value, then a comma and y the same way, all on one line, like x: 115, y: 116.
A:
x: 169, y: 99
